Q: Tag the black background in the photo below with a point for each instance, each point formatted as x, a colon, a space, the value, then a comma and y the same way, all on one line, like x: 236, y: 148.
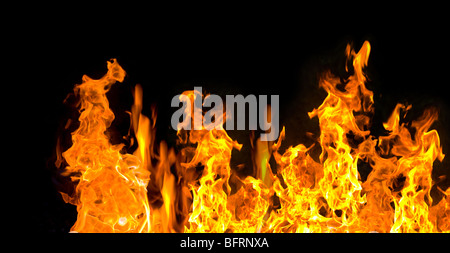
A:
x: 226, y: 50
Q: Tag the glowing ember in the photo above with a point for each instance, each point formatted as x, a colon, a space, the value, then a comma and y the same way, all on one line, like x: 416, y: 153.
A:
x: 191, y: 191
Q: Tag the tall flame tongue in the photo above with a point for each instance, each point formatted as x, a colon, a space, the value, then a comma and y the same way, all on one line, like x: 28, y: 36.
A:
x: 210, y: 193
x: 111, y: 193
x: 214, y: 208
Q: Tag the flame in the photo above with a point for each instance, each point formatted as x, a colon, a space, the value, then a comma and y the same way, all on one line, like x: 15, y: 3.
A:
x: 330, y: 196
x: 416, y: 163
x: 210, y: 193
x: 110, y: 194
x: 196, y: 190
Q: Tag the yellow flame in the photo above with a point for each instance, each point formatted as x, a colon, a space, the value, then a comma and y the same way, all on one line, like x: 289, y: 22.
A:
x: 191, y: 191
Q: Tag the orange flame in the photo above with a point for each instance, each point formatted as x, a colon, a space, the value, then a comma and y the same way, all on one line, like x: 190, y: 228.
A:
x: 111, y: 193
x: 192, y: 191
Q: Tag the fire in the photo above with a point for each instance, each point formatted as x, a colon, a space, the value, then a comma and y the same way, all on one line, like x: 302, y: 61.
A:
x: 210, y: 193
x: 157, y: 190
x: 110, y: 194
